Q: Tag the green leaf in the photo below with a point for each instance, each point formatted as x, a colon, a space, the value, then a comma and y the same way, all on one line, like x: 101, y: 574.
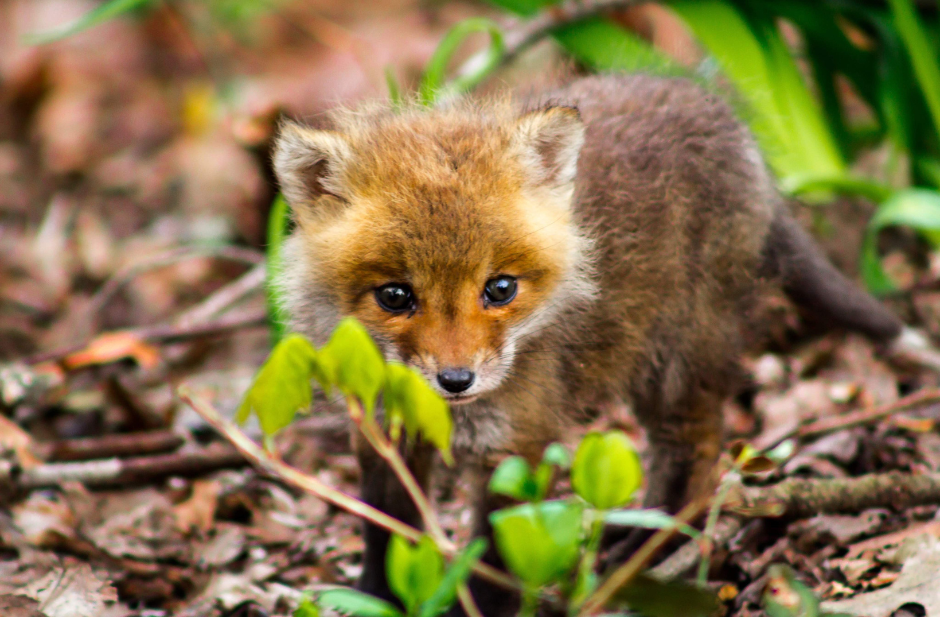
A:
x: 414, y: 571
x: 513, y: 478
x: 526, y: 8
x: 278, y: 222
x: 306, y: 608
x: 556, y: 454
x: 98, y: 15
x: 282, y: 386
x: 357, y: 603
x: 785, y: 596
x: 807, y: 183
x: 654, y: 598
x: 539, y: 542
x: 432, y: 85
x: 410, y: 400
x: 457, y: 574
x: 916, y: 208
x: 359, y: 369
x: 604, y: 46
x: 648, y: 519
x: 922, y: 54
x: 606, y: 470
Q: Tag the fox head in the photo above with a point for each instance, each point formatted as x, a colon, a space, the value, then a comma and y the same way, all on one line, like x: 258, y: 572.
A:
x: 448, y: 233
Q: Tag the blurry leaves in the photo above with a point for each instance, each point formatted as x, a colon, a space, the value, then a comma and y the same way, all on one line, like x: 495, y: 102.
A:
x: 411, y: 401
x: 539, y: 542
x: 654, y: 598
x: 606, y: 471
x: 785, y: 117
x: 278, y: 223
x: 282, y: 386
x: 414, y: 571
x: 918, y: 209
x: 515, y: 478
x: 355, y: 364
x: 352, y: 602
x: 456, y: 575
x: 922, y: 55
x: 648, y: 519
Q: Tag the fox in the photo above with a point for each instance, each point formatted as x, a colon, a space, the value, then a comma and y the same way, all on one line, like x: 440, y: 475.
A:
x: 534, y: 257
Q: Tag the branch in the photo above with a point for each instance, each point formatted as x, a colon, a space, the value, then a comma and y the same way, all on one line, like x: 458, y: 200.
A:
x: 122, y: 472
x: 519, y: 34
x: 121, y: 444
x: 799, y: 498
x: 683, y: 560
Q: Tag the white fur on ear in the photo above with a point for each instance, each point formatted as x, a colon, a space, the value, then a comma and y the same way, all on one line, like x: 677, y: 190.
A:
x: 549, y: 141
x: 310, y: 163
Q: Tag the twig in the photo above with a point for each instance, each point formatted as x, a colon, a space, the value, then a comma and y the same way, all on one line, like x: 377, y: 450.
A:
x: 122, y: 472
x: 626, y: 572
x: 800, y: 498
x: 222, y: 299
x: 253, y: 452
x: 162, y: 260
x: 147, y: 442
x: 854, y: 418
x: 519, y: 35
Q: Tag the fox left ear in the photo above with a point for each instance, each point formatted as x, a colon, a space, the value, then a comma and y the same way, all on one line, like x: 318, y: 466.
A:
x: 550, y: 140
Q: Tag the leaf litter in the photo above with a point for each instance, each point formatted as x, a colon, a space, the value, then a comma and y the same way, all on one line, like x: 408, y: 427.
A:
x: 134, y: 180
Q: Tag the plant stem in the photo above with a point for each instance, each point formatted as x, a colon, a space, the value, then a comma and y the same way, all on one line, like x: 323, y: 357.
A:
x: 384, y: 448
x: 588, y: 560
x: 710, y: 523
x: 466, y: 601
x: 626, y: 572
x: 530, y: 603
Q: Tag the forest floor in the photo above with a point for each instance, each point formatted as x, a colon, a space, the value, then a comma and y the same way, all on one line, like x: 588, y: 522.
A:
x: 134, y: 189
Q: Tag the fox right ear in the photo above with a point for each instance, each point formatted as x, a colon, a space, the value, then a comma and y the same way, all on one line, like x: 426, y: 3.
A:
x: 310, y: 163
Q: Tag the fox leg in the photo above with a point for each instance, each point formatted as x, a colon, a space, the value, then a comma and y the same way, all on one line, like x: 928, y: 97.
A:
x: 380, y: 488
x: 684, y: 445
x: 491, y: 599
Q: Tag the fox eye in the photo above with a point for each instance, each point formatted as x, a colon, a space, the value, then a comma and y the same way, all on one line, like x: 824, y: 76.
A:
x: 395, y: 297
x: 500, y: 290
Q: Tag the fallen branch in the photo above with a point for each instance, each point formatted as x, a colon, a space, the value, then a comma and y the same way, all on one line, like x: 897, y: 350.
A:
x: 799, y: 498
x: 123, y: 472
x: 278, y: 468
x: 121, y: 444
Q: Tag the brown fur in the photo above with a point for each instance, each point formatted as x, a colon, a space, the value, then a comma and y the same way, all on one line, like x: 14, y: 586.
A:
x: 637, y: 274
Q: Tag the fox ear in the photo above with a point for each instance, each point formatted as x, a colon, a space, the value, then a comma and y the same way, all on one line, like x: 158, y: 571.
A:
x: 550, y: 141
x: 310, y: 163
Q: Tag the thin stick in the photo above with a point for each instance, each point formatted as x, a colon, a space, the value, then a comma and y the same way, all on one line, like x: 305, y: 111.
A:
x: 519, y: 35
x: 310, y: 484
x: 223, y: 298
x: 854, y: 418
x: 626, y: 572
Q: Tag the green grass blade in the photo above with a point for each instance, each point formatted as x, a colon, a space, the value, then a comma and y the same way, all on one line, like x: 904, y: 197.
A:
x: 605, y: 46
x: 433, y: 86
x: 923, y: 57
x: 278, y: 223
x: 98, y: 15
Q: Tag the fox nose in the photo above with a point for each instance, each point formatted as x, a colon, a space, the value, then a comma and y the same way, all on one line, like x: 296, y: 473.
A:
x: 455, y: 379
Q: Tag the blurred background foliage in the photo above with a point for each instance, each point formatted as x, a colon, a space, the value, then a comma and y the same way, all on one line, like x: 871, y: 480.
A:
x: 824, y: 84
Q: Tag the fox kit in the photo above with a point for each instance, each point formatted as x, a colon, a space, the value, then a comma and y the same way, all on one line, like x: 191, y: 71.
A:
x: 532, y: 260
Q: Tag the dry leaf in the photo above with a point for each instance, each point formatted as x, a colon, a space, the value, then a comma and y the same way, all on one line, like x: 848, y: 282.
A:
x: 199, y: 510
x: 112, y: 347
x: 72, y: 592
